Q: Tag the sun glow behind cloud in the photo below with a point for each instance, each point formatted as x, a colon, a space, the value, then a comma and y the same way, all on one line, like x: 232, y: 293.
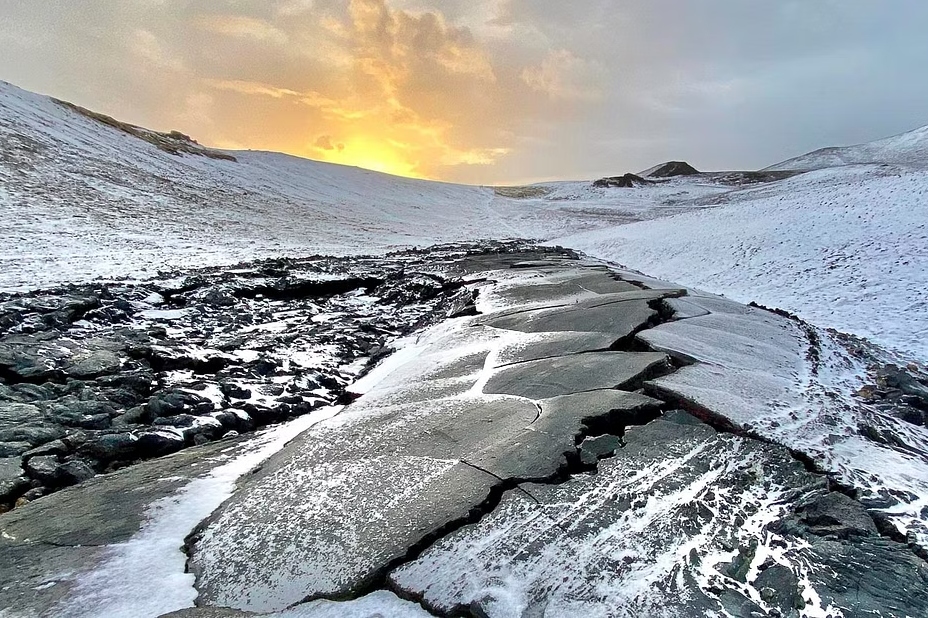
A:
x: 396, y: 90
x: 484, y: 91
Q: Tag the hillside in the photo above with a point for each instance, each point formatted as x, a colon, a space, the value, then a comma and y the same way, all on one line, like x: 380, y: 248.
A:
x: 910, y: 149
x: 83, y: 198
x: 843, y: 247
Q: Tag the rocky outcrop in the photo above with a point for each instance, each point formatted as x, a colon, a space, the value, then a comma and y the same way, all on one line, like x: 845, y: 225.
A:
x: 626, y: 181
x: 673, y: 168
x: 94, y: 378
x: 584, y: 447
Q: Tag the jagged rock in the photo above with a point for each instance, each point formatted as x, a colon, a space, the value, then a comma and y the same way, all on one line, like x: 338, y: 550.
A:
x: 43, y: 468
x: 594, y: 449
x: 180, y: 420
x: 234, y: 391
x: 55, y: 447
x: 132, y: 416
x: 111, y: 447
x: 625, y: 181
x: 177, y: 402
x: 32, y: 392
x: 93, y: 364
x: 157, y: 443
x: 35, y: 435
x: 18, y: 413
x: 12, y: 480
x: 219, y: 298
x: 71, y: 412
x: 779, y: 586
x: 462, y: 304
x: 13, y: 449
x: 834, y: 514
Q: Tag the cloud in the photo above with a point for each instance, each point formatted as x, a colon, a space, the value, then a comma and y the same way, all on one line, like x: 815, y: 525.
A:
x: 324, y: 142
x: 242, y: 26
x: 150, y: 50
x: 486, y: 90
x: 562, y: 75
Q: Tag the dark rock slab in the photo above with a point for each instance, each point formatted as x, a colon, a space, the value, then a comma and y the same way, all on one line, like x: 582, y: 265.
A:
x: 834, y: 514
x: 563, y: 287
x: 547, y: 345
x: 571, y: 374
x: 617, y: 318
x: 54, y: 539
x: 329, y: 529
x: 642, y: 536
x: 13, y: 449
x: 546, y: 447
x: 12, y: 413
x: 34, y: 435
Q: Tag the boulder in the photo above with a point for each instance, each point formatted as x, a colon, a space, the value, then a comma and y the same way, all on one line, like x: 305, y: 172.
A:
x: 18, y: 413
x: 43, y: 469
x: 159, y: 442
x: 34, y: 434
x: 779, y: 586
x: 111, y: 447
x: 12, y: 480
x: 13, y: 449
x: 92, y: 364
x: 834, y: 514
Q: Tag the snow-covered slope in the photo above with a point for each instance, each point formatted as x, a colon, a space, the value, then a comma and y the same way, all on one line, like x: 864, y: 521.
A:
x: 910, y: 148
x: 845, y: 248
x: 81, y: 199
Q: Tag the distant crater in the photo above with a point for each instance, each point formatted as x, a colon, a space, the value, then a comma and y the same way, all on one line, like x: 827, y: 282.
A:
x: 522, y: 192
x: 174, y: 142
x: 673, y: 168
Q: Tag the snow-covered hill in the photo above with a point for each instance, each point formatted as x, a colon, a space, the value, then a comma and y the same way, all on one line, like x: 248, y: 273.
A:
x: 82, y: 199
x: 910, y: 149
x: 845, y: 247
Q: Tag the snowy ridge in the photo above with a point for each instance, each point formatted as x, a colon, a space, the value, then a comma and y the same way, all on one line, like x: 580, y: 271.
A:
x: 83, y: 199
x: 909, y: 148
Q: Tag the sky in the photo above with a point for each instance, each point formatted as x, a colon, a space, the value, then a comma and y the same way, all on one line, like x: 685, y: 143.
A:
x: 487, y: 91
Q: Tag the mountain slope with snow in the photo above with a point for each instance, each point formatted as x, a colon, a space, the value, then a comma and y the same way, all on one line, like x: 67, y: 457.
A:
x: 845, y: 248
x: 83, y: 199
x: 909, y: 148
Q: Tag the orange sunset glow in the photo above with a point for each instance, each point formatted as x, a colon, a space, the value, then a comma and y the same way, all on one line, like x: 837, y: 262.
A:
x: 472, y: 91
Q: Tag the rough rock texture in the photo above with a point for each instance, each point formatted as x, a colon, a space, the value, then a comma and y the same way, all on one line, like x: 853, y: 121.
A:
x: 499, y: 464
x: 785, y: 381
x: 116, y: 373
x: 474, y: 428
